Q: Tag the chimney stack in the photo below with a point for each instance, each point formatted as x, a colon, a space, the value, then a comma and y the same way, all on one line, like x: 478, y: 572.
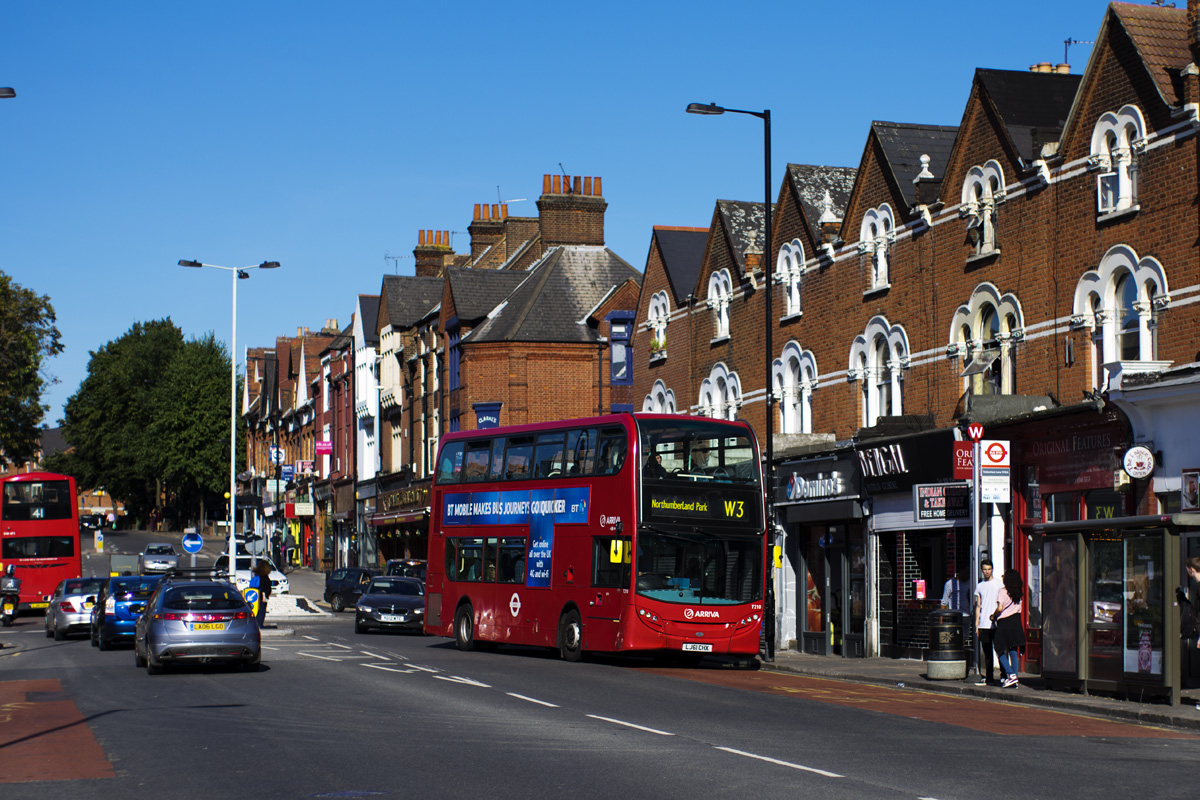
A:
x: 432, y: 253
x: 571, y: 211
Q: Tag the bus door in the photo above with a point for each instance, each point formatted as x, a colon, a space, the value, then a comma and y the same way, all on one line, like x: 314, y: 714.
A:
x: 608, y: 597
x: 513, y: 609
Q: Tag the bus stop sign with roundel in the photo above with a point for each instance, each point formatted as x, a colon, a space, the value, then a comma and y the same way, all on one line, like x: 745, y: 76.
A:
x: 193, y: 542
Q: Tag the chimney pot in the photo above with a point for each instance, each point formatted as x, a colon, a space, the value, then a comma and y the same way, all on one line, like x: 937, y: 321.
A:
x: 545, y: 184
x: 575, y: 185
x: 495, y: 211
x: 476, y: 211
x: 487, y: 211
x: 587, y: 186
x: 596, y: 186
x: 503, y: 210
x: 556, y: 185
x: 1063, y: 69
x: 420, y: 238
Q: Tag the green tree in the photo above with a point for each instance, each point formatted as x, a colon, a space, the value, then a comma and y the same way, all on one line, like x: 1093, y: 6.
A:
x: 110, y: 420
x: 27, y: 338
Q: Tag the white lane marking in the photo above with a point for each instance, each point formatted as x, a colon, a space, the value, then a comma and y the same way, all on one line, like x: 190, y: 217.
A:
x: 457, y: 679
x: 631, y: 725
x: 388, y: 669
x: 781, y: 763
x: 343, y: 646
x: 314, y: 655
x: 531, y: 700
x: 311, y: 638
x: 372, y: 655
x: 424, y: 669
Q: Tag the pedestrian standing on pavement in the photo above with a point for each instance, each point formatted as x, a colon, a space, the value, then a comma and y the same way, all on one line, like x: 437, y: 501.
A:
x: 954, y: 593
x: 260, y: 578
x: 1009, y: 632
x: 1189, y: 609
x: 986, y: 592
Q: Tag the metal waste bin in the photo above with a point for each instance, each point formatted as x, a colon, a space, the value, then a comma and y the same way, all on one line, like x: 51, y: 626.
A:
x: 945, y: 659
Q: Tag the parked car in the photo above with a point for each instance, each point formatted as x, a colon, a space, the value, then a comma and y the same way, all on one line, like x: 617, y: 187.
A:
x: 117, y: 607
x: 158, y: 557
x: 279, y: 582
x: 391, y: 604
x: 90, y: 521
x: 190, y: 621
x: 344, y: 586
x: 70, y: 609
x: 405, y: 568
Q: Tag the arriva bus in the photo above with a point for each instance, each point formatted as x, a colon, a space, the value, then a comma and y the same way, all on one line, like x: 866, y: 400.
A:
x: 39, y: 533
x: 630, y: 532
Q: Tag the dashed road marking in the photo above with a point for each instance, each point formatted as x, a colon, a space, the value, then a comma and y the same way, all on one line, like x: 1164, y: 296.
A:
x: 781, y: 763
x: 631, y: 725
x: 531, y: 700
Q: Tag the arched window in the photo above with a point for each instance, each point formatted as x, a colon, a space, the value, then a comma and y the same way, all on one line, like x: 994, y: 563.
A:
x: 878, y: 359
x: 984, y: 334
x: 983, y: 190
x: 720, y: 293
x: 661, y: 400
x: 788, y: 269
x: 1119, y: 302
x: 875, y: 238
x: 657, y: 317
x: 794, y: 375
x: 720, y: 393
x: 1117, y: 142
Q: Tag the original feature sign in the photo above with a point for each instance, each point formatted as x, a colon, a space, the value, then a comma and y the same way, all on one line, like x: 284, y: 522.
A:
x: 934, y: 501
x: 964, y: 461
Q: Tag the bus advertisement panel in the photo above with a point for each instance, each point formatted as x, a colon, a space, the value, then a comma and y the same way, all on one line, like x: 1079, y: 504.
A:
x: 625, y: 532
x: 39, y: 533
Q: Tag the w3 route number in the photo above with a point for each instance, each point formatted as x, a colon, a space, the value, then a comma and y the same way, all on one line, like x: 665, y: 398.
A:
x: 735, y: 508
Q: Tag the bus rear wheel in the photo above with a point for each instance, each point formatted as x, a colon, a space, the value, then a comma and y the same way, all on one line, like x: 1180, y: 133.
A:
x: 570, y: 636
x: 464, y: 628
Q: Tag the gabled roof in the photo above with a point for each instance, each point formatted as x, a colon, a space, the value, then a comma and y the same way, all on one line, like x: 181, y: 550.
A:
x: 811, y: 182
x: 368, y: 306
x: 682, y: 251
x: 903, y: 144
x: 477, y: 291
x: 743, y: 224
x: 342, y: 340
x: 1160, y: 36
x: 409, y: 298
x: 1032, y: 105
x: 556, y: 295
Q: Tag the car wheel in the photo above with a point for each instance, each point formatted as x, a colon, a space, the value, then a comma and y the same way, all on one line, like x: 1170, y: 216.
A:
x: 105, y: 644
x: 57, y: 634
x: 360, y: 628
x: 337, y: 604
x: 251, y: 666
x: 138, y: 661
x: 570, y: 636
x: 49, y: 632
x: 151, y: 667
x: 92, y: 635
x: 464, y: 628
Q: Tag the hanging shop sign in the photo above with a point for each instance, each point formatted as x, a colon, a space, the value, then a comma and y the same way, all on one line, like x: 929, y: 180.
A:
x: 940, y: 501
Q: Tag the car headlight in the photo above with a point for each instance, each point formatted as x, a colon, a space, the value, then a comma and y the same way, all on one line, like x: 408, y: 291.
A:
x: 361, y: 607
x: 418, y: 611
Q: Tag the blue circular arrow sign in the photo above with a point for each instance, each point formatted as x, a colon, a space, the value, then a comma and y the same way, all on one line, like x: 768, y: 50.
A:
x: 193, y: 542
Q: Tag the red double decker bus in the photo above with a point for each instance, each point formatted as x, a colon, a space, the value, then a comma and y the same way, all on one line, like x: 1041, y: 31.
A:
x: 620, y: 533
x: 39, y: 533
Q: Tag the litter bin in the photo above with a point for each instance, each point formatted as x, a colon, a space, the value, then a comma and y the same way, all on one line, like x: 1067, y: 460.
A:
x: 945, y: 660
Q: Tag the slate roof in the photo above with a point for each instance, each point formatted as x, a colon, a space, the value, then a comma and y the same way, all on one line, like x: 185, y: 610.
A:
x: 557, y: 293
x: 368, y: 305
x: 1032, y: 105
x: 1160, y: 35
x: 682, y: 251
x: 477, y: 291
x: 743, y: 223
x: 409, y: 298
x: 903, y: 145
x: 812, y: 181
x: 342, y: 340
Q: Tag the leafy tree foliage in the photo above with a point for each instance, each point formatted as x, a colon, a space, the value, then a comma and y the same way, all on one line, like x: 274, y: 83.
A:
x: 27, y: 338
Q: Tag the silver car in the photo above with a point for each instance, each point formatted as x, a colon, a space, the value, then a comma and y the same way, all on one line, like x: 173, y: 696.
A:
x: 70, y: 609
x: 196, y: 622
x: 159, y: 557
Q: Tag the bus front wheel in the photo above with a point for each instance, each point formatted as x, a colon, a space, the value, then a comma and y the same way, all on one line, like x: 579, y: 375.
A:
x: 570, y: 636
x: 464, y: 629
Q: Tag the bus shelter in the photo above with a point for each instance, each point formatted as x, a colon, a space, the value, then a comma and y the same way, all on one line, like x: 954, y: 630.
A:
x: 1109, y: 618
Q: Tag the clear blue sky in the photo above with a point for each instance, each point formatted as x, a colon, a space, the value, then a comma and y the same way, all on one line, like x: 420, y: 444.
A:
x: 325, y: 134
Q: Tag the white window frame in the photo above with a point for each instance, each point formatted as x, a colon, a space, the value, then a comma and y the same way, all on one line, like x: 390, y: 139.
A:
x: 1118, y: 140
x: 658, y: 316
x: 720, y: 293
x: 720, y: 393
x: 875, y: 238
x: 967, y: 340
x: 661, y: 400
x: 789, y: 267
x: 867, y: 368
x: 794, y: 377
x: 983, y: 190
x: 1098, y: 309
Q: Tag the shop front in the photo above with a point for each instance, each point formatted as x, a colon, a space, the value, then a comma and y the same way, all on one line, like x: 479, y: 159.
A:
x: 819, y: 507
x: 344, y: 543
x: 401, y: 522
x: 298, y: 537
x: 921, y: 527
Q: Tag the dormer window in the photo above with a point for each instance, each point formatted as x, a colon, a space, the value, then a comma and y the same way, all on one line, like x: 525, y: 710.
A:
x: 874, y: 243
x: 982, y: 192
x: 720, y: 293
x: 657, y: 317
x: 1117, y: 142
x: 788, y: 269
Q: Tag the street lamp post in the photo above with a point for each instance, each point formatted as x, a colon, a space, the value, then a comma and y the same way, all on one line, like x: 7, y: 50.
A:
x: 710, y: 109
x: 236, y: 273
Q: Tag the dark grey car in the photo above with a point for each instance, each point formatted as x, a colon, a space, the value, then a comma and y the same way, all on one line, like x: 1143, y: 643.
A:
x: 391, y: 604
x: 196, y: 622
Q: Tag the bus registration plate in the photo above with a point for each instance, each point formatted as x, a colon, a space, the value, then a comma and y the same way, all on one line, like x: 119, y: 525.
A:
x: 697, y: 647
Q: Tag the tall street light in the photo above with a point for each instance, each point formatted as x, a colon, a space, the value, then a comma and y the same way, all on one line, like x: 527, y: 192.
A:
x: 7, y: 92
x: 236, y: 273
x: 711, y: 109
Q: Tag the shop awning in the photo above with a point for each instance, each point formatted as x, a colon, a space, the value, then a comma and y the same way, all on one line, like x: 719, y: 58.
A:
x: 1120, y: 523
x: 400, y: 517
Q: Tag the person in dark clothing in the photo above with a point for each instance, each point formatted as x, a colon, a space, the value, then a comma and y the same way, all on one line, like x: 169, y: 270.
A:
x: 1189, y: 609
x: 260, y: 578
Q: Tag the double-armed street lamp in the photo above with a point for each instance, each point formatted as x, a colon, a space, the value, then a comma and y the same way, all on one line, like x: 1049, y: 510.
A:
x: 712, y: 109
x: 237, y: 273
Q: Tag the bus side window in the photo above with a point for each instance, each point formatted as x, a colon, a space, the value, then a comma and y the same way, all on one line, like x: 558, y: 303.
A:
x: 517, y: 458
x: 450, y: 463
x: 497, y: 470
x: 612, y: 452
x: 470, y: 559
x: 489, y: 560
x: 548, y: 457
x: 451, y: 560
x: 476, y: 465
x: 511, y: 563
x: 581, y: 451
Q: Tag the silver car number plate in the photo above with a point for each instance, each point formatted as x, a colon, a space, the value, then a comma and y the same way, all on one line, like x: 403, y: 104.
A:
x: 697, y: 647
x: 392, y: 618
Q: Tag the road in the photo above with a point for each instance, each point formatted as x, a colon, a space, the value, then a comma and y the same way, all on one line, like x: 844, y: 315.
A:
x: 336, y: 714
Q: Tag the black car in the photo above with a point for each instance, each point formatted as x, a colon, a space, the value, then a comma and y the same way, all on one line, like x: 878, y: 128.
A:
x: 405, y: 568
x: 391, y: 604
x: 344, y: 586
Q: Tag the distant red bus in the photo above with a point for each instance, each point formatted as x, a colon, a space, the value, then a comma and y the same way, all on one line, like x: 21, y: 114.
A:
x: 39, y: 532
x: 630, y: 532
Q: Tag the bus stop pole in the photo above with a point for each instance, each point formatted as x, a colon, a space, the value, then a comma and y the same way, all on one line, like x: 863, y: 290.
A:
x: 975, y: 554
